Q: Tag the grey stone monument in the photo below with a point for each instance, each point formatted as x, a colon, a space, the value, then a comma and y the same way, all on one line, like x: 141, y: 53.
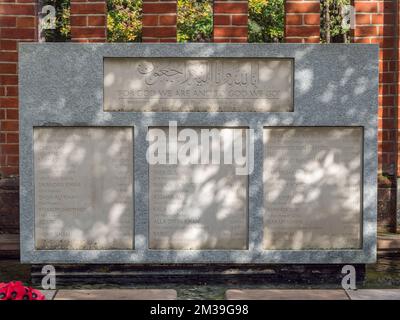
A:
x: 303, y: 116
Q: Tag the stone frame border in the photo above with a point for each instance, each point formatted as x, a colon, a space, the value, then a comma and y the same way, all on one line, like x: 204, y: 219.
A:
x: 334, y: 85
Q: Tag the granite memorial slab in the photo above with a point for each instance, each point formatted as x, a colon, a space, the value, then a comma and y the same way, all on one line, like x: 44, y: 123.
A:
x: 199, y: 206
x: 312, y: 185
x: 90, y: 195
x: 83, y: 188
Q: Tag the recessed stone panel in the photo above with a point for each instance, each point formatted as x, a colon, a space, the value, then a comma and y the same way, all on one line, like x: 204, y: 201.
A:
x: 83, y: 188
x: 199, y: 204
x: 312, y: 188
x: 177, y: 84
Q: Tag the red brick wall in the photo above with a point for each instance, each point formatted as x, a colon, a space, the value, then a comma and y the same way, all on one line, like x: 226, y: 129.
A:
x: 376, y: 21
x: 159, y: 21
x: 302, y: 21
x: 17, y: 24
x: 88, y: 20
x: 230, y: 20
x: 398, y: 81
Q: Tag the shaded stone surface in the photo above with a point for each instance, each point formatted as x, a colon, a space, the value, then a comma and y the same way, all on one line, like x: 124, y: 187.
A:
x: 9, y: 205
x: 83, y: 188
x: 117, y: 294
x: 9, y: 217
x: 12, y: 270
x: 389, y: 242
x: 9, y: 242
x: 287, y: 294
x: 196, y: 274
x: 374, y: 294
x: 199, y: 206
x: 49, y: 294
x: 312, y: 184
x: 386, y: 203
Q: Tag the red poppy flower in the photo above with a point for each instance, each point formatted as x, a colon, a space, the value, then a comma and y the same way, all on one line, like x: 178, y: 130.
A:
x: 17, y: 291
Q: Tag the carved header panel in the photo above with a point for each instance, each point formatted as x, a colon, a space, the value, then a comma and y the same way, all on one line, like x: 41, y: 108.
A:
x: 199, y: 85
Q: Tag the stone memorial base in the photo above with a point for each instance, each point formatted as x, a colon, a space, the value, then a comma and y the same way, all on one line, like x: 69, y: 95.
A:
x: 196, y: 274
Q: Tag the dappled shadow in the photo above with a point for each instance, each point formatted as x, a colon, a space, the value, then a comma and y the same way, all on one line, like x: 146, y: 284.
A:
x: 83, y: 188
x: 199, y: 206
x: 198, y: 85
x: 334, y: 85
x: 312, y: 185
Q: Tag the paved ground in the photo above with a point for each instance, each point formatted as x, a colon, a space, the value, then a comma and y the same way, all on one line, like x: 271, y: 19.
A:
x: 375, y: 294
x: 116, y: 294
x: 388, y: 241
x: 310, y: 294
x: 232, y: 294
x: 285, y: 294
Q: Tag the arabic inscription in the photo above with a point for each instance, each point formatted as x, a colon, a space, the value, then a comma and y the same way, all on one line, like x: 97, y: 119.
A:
x: 203, y: 85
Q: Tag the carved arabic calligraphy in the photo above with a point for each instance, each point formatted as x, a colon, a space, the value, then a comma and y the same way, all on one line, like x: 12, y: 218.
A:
x: 202, y: 73
x: 193, y: 84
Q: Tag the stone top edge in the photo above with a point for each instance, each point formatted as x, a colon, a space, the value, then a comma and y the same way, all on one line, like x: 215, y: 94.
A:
x: 204, y: 45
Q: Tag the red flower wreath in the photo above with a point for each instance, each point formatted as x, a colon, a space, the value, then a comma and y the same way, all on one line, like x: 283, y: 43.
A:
x: 15, y: 290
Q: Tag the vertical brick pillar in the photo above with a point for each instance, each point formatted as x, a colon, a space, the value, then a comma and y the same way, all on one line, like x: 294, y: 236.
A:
x: 88, y: 20
x: 397, y: 48
x: 302, y: 21
x: 398, y: 119
x: 230, y: 21
x: 18, y: 23
x: 376, y: 22
x: 159, y: 21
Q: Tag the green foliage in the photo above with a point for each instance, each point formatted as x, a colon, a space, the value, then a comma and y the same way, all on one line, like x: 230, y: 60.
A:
x: 194, y: 20
x: 334, y: 22
x: 124, y: 20
x: 62, y: 32
x: 124, y: 23
x: 266, y: 20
